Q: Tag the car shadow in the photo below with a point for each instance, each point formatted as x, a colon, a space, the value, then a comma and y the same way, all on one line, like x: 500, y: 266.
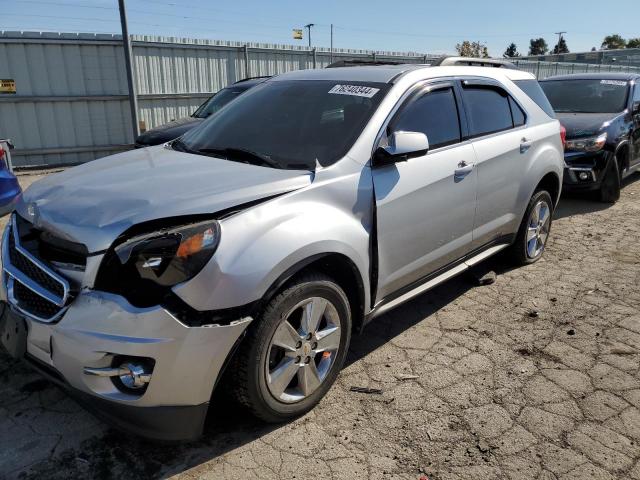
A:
x: 572, y: 204
x: 229, y: 427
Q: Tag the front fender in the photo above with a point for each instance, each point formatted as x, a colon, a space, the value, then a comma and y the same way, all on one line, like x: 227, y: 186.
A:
x: 260, y: 245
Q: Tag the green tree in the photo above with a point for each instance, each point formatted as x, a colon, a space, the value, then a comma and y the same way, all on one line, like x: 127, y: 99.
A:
x: 472, y: 49
x: 538, y: 46
x: 633, y: 42
x: 511, y: 51
x: 561, y: 47
x: 612, y: 42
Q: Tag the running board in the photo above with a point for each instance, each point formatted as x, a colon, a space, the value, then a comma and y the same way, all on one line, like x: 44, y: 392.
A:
x: 443, y: 277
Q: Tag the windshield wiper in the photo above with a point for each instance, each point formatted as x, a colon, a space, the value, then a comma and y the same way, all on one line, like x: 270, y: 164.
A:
x: 180, y: 146
x: 241, y: 155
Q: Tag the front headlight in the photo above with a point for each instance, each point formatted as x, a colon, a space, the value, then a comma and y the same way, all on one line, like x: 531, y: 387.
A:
x: 590, y: 144
x: 144, y: 267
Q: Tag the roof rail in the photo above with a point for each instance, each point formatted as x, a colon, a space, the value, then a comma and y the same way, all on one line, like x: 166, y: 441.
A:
x: 360, y: 62
x: 472, y: 62
x: 252, y: 78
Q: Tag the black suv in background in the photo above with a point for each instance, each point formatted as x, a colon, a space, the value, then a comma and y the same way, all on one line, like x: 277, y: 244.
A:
x: 176, y: 128
x: 601, y: 115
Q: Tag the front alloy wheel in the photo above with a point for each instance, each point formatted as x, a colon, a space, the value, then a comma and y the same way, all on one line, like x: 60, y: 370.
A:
x: 293, y: 350
x: 303, y: 349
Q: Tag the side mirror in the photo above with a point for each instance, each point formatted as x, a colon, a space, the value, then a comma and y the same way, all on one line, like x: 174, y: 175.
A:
x: 635, y: 109
x: 402, y: 146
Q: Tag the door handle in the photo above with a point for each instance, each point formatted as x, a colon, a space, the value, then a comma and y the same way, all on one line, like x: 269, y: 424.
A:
x: 525, y: 145
x: 463, y: 169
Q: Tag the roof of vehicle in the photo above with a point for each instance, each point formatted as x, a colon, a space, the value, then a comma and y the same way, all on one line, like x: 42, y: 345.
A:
x: 389, y: 73
x: 359, y: 62
x: 248, y: 82
x: 448, y: 61
x: 595, y: 76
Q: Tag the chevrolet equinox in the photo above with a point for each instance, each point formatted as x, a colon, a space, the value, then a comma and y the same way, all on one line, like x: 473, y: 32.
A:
x: 256, y: 243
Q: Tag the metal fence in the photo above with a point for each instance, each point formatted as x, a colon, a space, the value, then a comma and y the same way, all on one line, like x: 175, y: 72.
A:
x: 547, y: 69
x: 71, y: 102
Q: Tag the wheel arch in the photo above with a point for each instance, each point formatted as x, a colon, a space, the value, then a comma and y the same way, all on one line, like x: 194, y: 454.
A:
x: 551, y: 183
x: 337, y: 266
x: 621, y: 153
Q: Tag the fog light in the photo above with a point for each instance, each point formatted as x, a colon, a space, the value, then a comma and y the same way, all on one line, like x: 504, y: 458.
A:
x: 583, y: 176
x: 133, y: 375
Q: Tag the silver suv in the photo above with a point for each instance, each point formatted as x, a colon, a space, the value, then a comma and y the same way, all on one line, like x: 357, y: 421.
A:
x: 258, y: 242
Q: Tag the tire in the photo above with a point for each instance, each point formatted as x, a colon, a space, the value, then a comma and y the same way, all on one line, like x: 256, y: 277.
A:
x: 262, y: 365
x: 520, y: 252
x: 610, y: 188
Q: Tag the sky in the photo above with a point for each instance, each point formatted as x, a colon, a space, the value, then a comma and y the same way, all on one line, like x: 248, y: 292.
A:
x: 382, y: 25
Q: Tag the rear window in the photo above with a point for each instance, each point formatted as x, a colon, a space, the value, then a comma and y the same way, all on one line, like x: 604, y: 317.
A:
x: 533, y: 90
x: 488, y: 109
x: 218, y: 101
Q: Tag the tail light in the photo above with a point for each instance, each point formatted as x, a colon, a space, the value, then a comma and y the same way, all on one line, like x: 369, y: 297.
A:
x: 563, y: 135
x: 3, y: 159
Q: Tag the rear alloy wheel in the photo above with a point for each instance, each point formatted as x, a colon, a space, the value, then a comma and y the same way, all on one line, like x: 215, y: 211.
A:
x: 610, y: 187
x: 294, y: 352
x: 533, y: 234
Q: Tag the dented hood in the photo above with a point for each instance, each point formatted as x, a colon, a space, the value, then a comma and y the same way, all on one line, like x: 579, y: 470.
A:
x: 97, y: 201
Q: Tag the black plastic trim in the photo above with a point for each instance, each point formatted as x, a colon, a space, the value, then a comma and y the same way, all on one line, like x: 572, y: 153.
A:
x: 508, y: 239
x: 163, y: 423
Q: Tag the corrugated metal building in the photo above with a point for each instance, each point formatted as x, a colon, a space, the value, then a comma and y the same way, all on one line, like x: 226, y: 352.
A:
x: 71, y: 100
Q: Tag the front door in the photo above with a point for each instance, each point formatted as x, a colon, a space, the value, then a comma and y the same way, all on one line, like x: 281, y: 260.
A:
x: 425, y: 205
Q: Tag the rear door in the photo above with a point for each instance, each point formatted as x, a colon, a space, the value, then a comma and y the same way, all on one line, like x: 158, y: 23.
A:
x: 425, y: 205
x: 502, y: 147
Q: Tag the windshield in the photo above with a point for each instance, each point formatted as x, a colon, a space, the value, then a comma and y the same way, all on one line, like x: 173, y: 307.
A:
x: 586, y: 96
x: 218, y: 101
x: 288, y: 124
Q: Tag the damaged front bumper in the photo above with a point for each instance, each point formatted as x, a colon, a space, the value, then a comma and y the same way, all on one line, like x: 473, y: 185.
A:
x: 74, y: 334
x: 101, y: 330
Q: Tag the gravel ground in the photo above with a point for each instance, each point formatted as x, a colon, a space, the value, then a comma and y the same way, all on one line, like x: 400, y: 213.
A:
x: 533, y: 377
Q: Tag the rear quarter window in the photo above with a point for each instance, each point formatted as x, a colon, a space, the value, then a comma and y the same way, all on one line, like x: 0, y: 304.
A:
x: 534, y: 92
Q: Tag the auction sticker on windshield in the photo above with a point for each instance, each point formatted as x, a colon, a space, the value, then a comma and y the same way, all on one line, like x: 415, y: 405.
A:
x: 357, y: 90
x: 619, y: 83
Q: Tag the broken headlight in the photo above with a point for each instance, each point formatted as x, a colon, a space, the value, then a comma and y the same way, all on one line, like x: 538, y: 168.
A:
x: 144, y: 267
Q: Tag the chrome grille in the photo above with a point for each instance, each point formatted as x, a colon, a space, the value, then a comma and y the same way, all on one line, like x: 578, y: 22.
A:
x: 33, y: 287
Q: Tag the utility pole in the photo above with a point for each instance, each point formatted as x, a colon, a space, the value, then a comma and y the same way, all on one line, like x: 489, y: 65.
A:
x: 331, y: 56
x: 559, y: 38
x: 308, y: 27
x: 126, y: 43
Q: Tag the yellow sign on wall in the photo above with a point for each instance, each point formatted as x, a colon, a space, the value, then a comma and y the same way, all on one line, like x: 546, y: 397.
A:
x: 7, y: 85
x: 297, y: 34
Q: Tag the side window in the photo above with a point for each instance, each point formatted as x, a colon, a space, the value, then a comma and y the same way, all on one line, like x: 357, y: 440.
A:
x: 516, y: 112
x: 636, y: 92
x: 488, y: 109
x: 435, y: 114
